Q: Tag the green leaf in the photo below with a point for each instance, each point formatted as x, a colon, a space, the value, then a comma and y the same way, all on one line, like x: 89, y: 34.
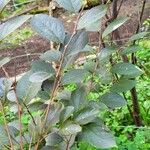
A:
x: 54, y: 114
x: 113, y: 100
x: 53, y: 139
x: 86, y: 116
x: 14, y: 108
x: 35, y: 130
x: 98, y: 105
x: 51, y: 55
x: 4, y: 61
x: 127, y: 69
x: 105, y: 53
x: 39, y: 77
x: 49, y: 27
x: 78, y: 98
x: 36, y: 106
x: 3, y: 3
x: 72, y: 140
x: 70, y: 5
x: 49, y: 148
x: 11, y: 96
x: 90, y: 66
x: 70, y: 128
x: 123, y: 85
x: 41, y: 66
x: 27, y: 90
x: 114, y: 25
x: 74, y: 76
x: 66, y: 113
x: 95, y: 27
x: 11, y: 25
x: 3, y: 137
x: 88, y: 21
x: 64, y: 95
x: 77, y: 44
x: 138, y: 36
x: 97, y: 136
x: 130, y: 49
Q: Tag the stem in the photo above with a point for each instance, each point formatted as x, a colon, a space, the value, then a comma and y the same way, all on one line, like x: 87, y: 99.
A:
x: 58, y: 75
x: 133, y: 57
x: 19, y: 112
x: 33, y: 120
x: 6, y: 126
x: 68, y: 142
x: 136, y: 109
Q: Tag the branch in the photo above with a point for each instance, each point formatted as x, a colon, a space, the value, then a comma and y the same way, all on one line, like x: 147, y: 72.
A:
x: 58, y: 74
x: 136, y: 108
x: 133, y: 57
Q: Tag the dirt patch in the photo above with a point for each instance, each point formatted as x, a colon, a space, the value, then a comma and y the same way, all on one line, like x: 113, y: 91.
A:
x: 37, y: 44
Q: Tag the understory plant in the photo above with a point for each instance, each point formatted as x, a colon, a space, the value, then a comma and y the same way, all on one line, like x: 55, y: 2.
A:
x: 60, y: 118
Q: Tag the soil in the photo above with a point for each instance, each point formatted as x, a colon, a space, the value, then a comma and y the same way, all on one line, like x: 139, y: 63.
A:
x: 37, y: 44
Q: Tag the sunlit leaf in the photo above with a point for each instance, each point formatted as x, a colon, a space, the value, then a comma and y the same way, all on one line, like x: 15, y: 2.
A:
x: 51, y: 55
x: 70, y: 5
x: 105, y: 53
x: 77, y: 44
x: 4, y: 61
x: 114, y: 25
x: 11, y: 25
x: 74, y: 76
x: 91, y: 18
x: 42, y: 66
x: 49, y: 27
x: 39, y: 77
x: 3, y: 3
x: 27, y: 90
x: 11, y: 96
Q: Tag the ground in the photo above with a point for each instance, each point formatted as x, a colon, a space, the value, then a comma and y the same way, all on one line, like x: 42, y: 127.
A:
x: 36, y: 44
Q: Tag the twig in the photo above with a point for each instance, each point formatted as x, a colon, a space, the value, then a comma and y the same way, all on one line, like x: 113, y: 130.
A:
x: 58, y: 74
x: 19, y: 111
x: 133, y: 57
x: 6, y: 126
x: 22, y: 13
x: 119, y: 7
x: 33, y: 120
x: 129, y: 109
x: 68, y: 142
x: 6, y: 73
x: 23, y: 3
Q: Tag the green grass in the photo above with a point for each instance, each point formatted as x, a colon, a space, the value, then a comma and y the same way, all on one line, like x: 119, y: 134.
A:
x: 17, y: 38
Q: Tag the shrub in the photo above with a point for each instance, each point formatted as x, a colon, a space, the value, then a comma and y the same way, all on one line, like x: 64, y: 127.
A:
x: 59, y: 118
